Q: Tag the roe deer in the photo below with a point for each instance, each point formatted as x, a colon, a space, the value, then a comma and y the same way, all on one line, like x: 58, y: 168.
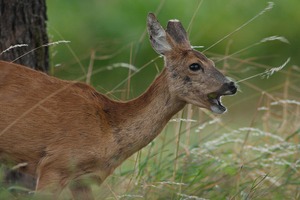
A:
x: 62, y: 132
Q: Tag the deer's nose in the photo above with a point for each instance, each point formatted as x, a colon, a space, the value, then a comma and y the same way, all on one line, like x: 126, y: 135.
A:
x: 232, y: 87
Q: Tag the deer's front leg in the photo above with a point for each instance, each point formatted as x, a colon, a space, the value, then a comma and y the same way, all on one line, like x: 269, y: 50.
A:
x: 81, y: 190
x: 50, y: 181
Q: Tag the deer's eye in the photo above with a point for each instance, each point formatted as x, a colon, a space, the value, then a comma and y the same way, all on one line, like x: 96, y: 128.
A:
x: 196, y: 67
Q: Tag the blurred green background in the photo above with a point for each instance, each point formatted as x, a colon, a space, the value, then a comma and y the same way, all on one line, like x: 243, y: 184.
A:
x: 115, y: 31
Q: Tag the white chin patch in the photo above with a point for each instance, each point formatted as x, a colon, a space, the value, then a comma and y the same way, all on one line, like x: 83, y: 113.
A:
x: 217, y: 109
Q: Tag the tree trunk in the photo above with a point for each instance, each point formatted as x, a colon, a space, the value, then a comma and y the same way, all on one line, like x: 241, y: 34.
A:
x: 22, y: 36
x: 23, y: 22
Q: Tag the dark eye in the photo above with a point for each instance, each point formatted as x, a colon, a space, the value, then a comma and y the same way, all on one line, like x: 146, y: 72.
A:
x: 195, y: 67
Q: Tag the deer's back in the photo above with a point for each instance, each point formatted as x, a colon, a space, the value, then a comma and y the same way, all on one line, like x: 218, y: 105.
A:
x: 42, y: 116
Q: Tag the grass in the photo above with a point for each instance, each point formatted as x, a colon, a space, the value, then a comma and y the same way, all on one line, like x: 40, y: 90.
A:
x: 254, y: 155
x: 203, y: 156
x: 260, y: 161
x: 251, y: 152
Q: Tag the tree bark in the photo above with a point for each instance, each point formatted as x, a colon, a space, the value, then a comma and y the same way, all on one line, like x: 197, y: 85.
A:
x: 23, y: 27
x: 23, y: 22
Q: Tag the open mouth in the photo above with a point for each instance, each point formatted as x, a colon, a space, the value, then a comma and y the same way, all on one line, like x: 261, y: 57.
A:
x: 216, y: 104
x: 214, y: 98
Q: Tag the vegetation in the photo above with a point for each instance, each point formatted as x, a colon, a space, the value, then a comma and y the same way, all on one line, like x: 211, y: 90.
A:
x: 250, y: 152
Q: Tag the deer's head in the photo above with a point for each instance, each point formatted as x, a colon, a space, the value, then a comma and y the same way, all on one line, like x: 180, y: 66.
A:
x: 192, y: 77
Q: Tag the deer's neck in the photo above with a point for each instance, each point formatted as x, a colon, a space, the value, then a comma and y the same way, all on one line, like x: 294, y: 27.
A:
x: 139, y: 121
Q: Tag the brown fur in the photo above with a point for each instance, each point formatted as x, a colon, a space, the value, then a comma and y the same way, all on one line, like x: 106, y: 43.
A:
x: 65, y: 131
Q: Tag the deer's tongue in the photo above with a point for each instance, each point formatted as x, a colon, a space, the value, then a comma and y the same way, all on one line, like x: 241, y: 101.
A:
x: 216, y: 105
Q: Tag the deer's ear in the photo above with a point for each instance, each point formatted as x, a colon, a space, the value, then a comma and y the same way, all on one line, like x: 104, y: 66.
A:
x: 157, y: 35
x: 178, y: 34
